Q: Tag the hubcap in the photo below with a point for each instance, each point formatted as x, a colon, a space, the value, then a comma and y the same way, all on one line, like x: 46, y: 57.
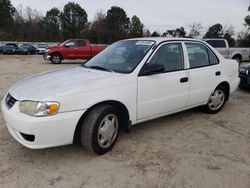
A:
x: 56, y: 59
x: 108, y: 131
x: 216, y: 99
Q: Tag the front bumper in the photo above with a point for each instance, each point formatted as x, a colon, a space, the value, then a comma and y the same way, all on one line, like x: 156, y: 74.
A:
x: 48, y: 131
x: 46, y: 57
x: 244, y: 81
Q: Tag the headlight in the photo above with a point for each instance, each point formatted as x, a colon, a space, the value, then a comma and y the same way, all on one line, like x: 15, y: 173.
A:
x: 247, y: 72
x: 34, y: 108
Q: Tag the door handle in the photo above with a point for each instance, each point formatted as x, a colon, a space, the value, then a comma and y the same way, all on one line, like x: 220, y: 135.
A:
x: 218, y: 73
x: 184, y: 79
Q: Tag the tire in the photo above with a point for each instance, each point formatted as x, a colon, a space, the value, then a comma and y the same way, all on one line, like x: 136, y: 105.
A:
x: 56, y: 58
x: 214, y: 104
x: 96, y: 135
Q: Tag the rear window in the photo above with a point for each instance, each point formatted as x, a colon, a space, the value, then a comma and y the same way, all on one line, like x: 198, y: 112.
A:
x: 217, y: 43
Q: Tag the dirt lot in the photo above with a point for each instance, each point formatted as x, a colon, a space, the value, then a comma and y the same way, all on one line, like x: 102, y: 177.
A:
x: 188, y: 149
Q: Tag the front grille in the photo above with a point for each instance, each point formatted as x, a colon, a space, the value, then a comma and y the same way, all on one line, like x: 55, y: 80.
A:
x: 10, y: 101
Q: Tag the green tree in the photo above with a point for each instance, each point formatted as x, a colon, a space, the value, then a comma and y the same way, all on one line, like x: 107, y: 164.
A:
x: 155, y: 34
x: 74, y: 21
x: 51, y: 24
x: 178, y: 32
x: 117, y: 23
x: 6, y: 19
x: 247, y: 18
x: 215, y: 31
x: 136, y: 29
x: 229, y: 39
x: 147, y: 33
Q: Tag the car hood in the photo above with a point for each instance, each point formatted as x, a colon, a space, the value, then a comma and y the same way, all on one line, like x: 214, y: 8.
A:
x: 245, y: 66
x: 53, y: 84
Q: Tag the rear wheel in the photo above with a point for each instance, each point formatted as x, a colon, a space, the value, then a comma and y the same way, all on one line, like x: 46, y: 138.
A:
x: 216, y: 100
x: 56, y: 58
x: 100, y: 129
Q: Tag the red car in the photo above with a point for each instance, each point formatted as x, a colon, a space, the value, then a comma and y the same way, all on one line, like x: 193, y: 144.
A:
x: 72, y: 49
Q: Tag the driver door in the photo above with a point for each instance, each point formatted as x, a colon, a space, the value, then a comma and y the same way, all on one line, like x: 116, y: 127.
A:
x: 69, y: 51
x: 164, y: 92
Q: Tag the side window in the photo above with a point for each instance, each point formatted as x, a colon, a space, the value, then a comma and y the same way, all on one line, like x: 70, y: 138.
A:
x: 217, y: 43
x: 72, y: 43
x: 81, y: 43
x: 170, y: 56
x: 197, y: 55
x: 212, y: 59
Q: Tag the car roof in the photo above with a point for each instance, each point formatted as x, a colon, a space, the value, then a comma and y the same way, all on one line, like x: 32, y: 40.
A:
x: 165, y: 39
x: 212, y: 39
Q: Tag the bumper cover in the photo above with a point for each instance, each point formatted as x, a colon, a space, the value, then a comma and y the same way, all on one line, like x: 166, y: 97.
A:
x: 46, y: 57
x: 49, y: 131
x: 244, y: 81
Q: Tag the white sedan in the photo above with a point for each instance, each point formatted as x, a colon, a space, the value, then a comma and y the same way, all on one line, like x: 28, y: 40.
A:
x: 130, y: 82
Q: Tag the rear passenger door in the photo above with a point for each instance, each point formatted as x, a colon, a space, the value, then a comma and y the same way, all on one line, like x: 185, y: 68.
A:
x: 204, y: 70
x: 83, y: 50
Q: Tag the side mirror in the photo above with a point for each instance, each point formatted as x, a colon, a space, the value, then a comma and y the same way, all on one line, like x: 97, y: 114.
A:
x: 149, y: 69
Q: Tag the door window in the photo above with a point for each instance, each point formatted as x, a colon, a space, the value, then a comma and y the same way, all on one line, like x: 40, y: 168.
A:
x: 81, y: 43
x: 170, y: 56
x: 200, y: 56
x: 71, y: 43
x: 217, y: 43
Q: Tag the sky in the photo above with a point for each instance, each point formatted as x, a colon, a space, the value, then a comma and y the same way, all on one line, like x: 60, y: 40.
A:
x: 161, y: 15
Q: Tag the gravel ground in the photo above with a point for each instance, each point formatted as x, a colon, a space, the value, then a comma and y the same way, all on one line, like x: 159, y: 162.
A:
x: 188, y: 149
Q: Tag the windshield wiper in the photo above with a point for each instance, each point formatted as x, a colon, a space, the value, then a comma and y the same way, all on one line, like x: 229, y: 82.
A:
x: 97, y: 67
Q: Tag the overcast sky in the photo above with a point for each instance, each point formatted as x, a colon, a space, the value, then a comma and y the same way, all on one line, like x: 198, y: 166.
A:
x: 161, y: 15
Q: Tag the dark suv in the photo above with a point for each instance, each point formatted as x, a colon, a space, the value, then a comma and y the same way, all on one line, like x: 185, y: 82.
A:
x: 26, y: 49
x: 244, y: 76
x: 10, y: 48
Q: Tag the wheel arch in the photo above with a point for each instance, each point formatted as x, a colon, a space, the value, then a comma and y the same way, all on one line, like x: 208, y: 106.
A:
x: 237, y: 55
x: 119, y: 105
x: 227, y: 86
x: 57, y: 52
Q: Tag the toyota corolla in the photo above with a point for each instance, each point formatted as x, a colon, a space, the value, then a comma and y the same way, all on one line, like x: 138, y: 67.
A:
x: 130, y: 82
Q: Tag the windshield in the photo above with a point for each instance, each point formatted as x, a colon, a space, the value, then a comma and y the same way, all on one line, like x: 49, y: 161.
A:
x: 122, y: 56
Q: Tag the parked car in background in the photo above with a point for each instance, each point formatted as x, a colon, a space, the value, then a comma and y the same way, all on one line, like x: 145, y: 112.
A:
x: 26, y: 49
x: 1, y: 49
x: 72, y: 49
x: 130, y: 82
x: 239, y: 54
x: 41, y: 47
x: 244, y: 73
x: 10, y: 48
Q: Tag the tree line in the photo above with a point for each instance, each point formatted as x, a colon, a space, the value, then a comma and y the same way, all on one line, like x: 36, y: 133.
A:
x: 26, y: 24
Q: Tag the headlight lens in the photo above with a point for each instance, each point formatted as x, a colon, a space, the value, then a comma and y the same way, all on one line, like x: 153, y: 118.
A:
x: 34, y: 108
x: 247, y: 72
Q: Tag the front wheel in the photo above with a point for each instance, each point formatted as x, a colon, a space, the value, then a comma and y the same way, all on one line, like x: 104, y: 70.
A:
x: 216, y: 100
x: 100, y: 129
x: 56, y: 58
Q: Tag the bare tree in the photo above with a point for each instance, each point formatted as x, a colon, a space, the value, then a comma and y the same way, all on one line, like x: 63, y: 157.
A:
x: 229, y: 29
x: 195, y: 29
